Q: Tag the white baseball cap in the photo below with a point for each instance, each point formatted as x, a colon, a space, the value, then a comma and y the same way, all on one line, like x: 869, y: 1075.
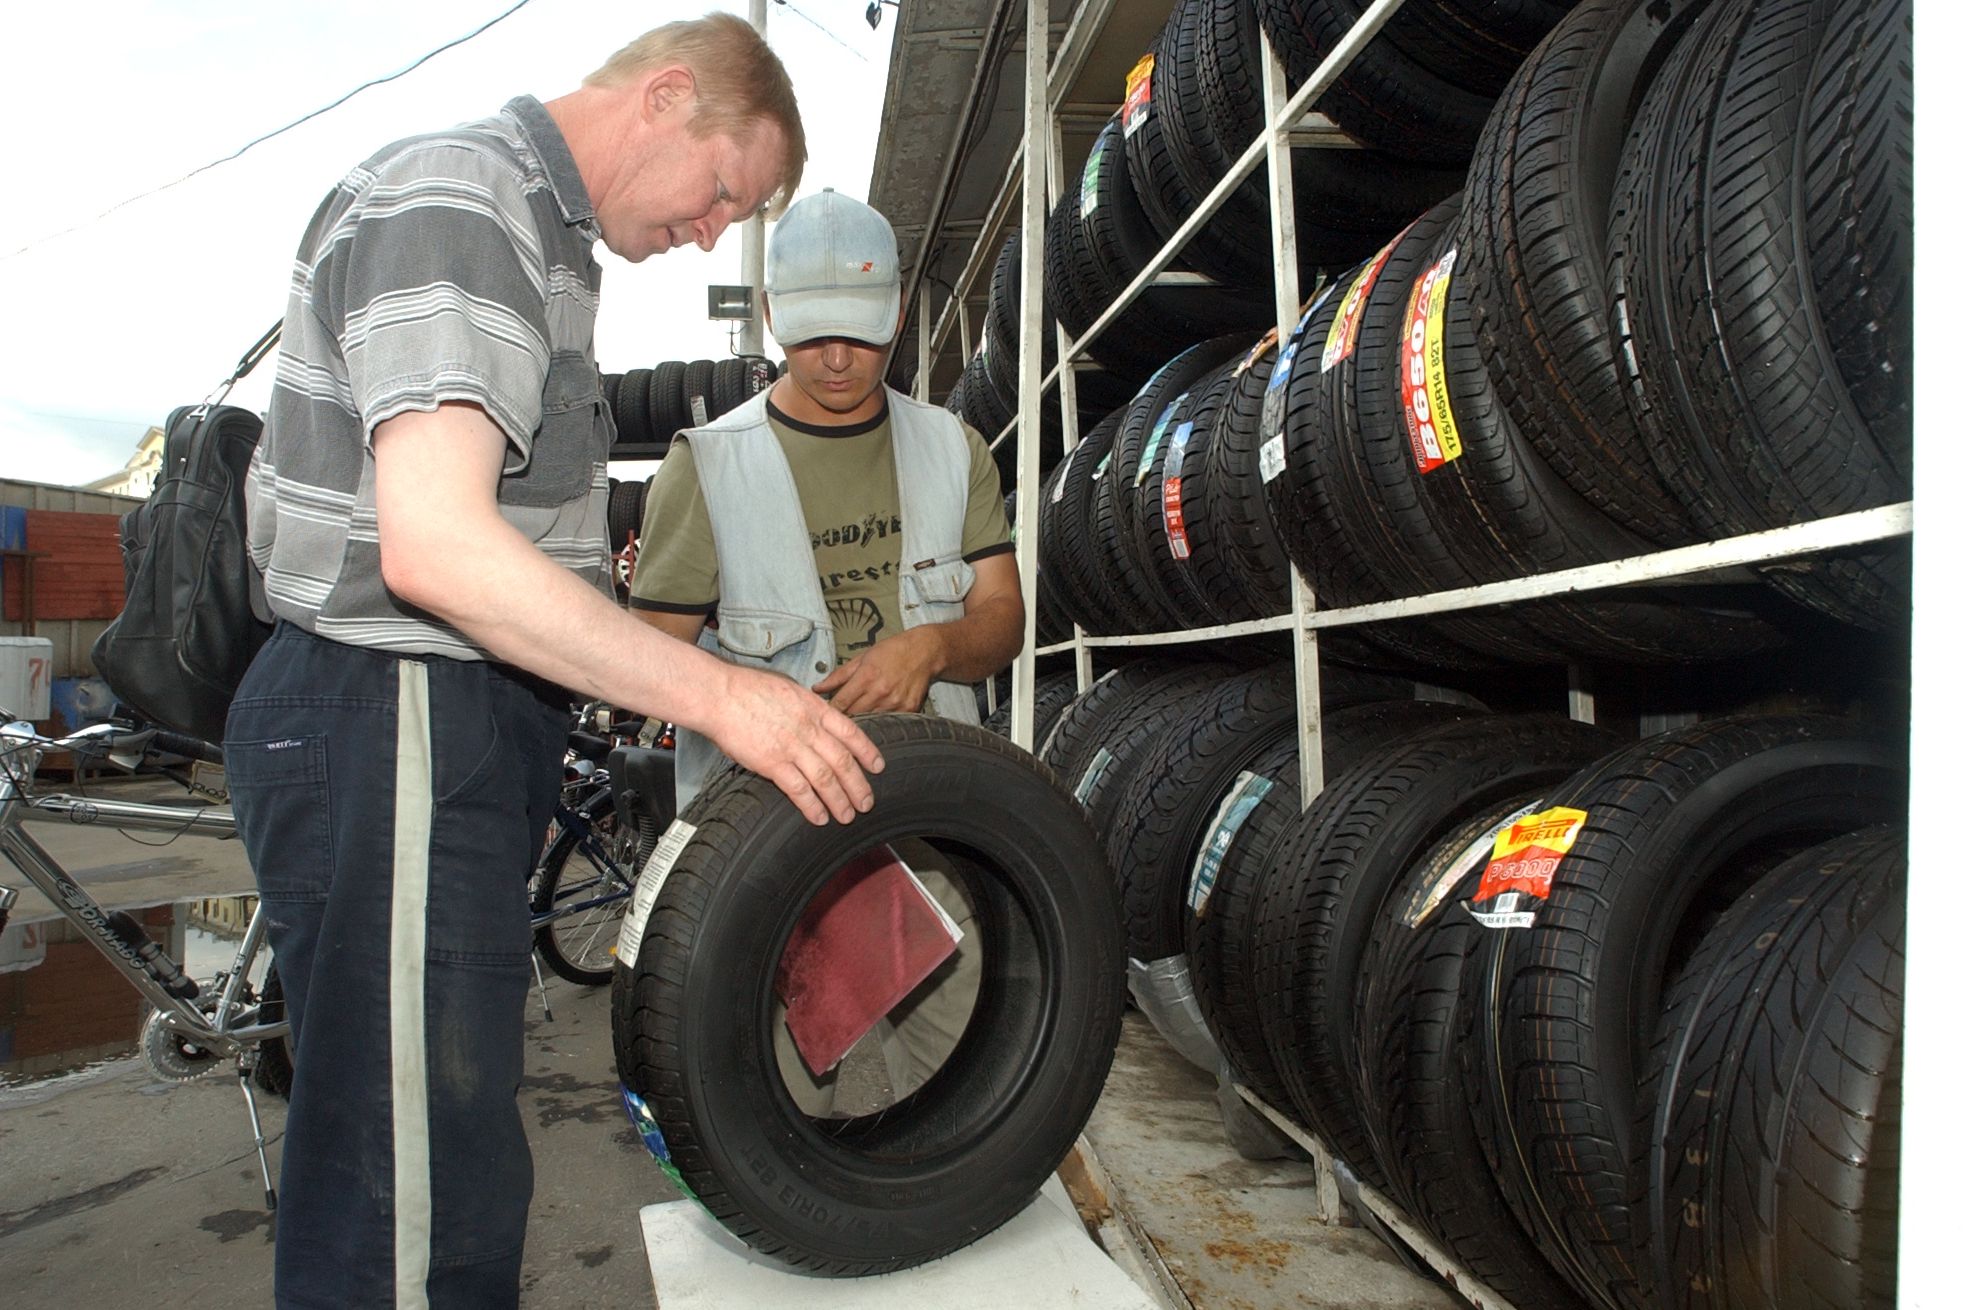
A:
x: 832, y: 270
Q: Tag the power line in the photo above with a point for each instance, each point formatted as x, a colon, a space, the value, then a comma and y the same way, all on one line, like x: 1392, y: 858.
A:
x: 833, y: 36
x: 260, y: 140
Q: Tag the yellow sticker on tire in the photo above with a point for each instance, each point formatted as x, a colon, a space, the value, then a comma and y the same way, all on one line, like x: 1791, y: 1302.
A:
x: 1430, y: 427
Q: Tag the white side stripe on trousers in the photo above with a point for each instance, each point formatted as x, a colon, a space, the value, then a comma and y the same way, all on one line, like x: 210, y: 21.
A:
x: 409, y: 1096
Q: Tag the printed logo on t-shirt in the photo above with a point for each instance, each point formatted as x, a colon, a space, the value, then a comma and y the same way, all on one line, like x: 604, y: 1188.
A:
x: 856, y: 623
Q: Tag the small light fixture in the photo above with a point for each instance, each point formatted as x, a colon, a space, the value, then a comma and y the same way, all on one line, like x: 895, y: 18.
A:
x: 731, y: 302
x: 874, y: 8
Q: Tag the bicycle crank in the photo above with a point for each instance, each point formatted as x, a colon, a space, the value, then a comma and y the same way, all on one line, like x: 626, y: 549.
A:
x: 173, y: 1057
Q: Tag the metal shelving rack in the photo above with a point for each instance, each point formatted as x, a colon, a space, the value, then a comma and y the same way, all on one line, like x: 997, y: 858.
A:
x: 1289, y: 121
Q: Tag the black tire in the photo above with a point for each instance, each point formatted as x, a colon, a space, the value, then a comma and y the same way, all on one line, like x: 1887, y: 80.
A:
x: 1351, y: 540
x: 1141, y: 435
x: 610, y: 395
x: 1164, y: 198
x: 1329, y: 877
x: 1856, y: 152
x: 1503, y: 512
x: 1073, y: 740
x: 727, y: 389
x: 1732, y: 377
x: 666, y: 411
x: 1774, y: 1097
x: 1064, y: 551
x: 272, y: 1068
x: 1054, y: 692
x: 1121, y: 240
x: 623, y: 514
x: 1169, y: 533
x: 698, y: 386
x: 631, y: 413
x: 1534, y: 231
x: 1246, y: 574
x: 579, y: 946
x: 1208, y: 82
x: 1562, y: 1012
x: 1410, y: 1086
x: 1218, y: 926
x: 967, y: 1150
x: 1385, y: 97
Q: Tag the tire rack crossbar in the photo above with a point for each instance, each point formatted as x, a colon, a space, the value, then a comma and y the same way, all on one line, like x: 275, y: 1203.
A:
x: 1477, y: 1293
x: 1844, y: 530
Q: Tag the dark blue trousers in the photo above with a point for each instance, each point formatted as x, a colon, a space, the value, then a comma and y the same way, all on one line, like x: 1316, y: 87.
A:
x: 392, y: 807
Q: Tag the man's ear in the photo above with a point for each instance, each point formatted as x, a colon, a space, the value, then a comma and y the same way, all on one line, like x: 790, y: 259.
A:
x: 667, y: 90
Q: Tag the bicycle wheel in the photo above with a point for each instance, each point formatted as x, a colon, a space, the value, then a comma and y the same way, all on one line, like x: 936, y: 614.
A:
x: 583, y: 888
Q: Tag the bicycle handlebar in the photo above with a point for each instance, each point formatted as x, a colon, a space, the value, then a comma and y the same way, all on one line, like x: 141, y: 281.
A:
x: 194, y: 748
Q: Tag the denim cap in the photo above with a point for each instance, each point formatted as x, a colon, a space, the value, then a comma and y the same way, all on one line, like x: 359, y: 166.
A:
x: 832, y: 270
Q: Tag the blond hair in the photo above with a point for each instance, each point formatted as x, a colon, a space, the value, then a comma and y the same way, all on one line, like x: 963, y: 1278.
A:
x: 739, y: 80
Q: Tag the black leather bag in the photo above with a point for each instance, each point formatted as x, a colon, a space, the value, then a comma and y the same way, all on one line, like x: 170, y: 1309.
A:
x: 191, y: 621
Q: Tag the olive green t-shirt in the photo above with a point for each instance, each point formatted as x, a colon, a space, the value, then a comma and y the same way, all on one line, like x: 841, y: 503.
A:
x: 851, y: 498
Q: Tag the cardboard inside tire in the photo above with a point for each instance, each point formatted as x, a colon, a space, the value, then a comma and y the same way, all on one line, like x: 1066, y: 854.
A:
x: 871, y: 1188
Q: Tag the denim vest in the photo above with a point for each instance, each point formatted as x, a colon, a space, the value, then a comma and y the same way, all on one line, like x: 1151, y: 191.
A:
x: 771, y: 613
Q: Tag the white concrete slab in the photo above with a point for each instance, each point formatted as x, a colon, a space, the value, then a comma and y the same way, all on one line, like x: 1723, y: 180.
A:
x: 1041, y: 1260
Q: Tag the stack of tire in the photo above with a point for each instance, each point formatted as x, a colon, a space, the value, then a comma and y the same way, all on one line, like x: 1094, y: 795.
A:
x: 1598, y: 353
x: 986, y: 396
x: 1591, y: 355
x: 1618, y: 1026
x: 1156, y: 520
x: 650, y: 405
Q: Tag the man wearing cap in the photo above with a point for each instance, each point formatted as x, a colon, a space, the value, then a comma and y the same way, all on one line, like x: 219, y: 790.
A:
x: 842, y: 534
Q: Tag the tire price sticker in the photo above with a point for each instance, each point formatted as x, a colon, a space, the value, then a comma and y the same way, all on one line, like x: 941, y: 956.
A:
x: 627, y: 949
x: 1342, y: 340
x: 1430, y: 427
x: 1233, y: 812
x: 1523, y: 865
x: 1170, y: 507
x: 1088, y: 184
x: 1272, y: 458
x: 1139, y: 95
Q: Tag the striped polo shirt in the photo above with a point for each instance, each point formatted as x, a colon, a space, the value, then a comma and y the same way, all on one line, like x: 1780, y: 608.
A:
x: 455, y: 266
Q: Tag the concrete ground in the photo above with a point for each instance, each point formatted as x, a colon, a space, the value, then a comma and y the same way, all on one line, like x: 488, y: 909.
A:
x: 118, y: 1189
x: 115, y: 1187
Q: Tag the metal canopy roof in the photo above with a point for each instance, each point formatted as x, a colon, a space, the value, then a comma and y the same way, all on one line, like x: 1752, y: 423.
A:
x: 932, y: 79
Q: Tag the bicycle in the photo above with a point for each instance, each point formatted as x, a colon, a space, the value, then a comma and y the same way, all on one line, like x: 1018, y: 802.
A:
x: 194, y: 1026
x: 191, y: 1026
x: 586, y: 872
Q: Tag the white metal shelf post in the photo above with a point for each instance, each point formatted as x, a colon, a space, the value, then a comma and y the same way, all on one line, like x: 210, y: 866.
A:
x: 1030, y: 361
x: 1282, y: 245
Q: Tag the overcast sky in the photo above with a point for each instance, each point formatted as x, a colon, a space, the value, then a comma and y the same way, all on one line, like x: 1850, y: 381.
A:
x: 109, y: 327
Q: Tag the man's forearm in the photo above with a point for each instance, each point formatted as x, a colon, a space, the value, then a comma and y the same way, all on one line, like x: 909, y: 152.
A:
x: 980, y: 643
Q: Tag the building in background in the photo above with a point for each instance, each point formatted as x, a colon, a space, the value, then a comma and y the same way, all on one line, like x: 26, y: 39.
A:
x: 139, y: 476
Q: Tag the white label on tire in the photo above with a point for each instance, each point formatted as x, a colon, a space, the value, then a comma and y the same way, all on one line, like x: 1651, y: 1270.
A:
x: 1430, y: 898
x: 1057, y: 492
x: 1271, y: 459
x: 653, y: 874
x: 1093, y: 772
x: 1236, y: 806
x: 700, y: 410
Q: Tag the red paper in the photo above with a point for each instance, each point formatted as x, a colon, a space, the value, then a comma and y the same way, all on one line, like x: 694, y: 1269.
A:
x: 868, y: 939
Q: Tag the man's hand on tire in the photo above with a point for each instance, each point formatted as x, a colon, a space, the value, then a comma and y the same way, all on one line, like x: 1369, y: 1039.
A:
x: 814, y: 754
